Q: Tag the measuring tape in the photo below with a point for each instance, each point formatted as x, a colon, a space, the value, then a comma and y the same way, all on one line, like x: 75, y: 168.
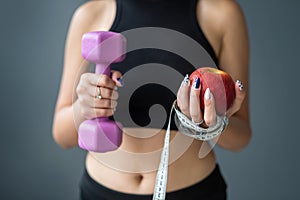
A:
x: 189, y: 128
x: 162, y: 173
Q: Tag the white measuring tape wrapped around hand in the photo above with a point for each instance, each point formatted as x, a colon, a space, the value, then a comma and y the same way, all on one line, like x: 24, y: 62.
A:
x: 187, y: 127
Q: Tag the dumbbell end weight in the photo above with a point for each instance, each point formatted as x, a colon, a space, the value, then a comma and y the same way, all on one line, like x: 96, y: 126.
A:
x: 107, y: 137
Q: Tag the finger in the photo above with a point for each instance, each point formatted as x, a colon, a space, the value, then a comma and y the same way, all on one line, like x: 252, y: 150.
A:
x: 195, y: 110
x: 105, y: 93
x: 99, y: 80
x: 117, y: 78
x: 105, y: 103
x: 210, y: 115
x: 183, y: 96
x: 91, y: 113
x: 239, y: 98
x: 104, y: 112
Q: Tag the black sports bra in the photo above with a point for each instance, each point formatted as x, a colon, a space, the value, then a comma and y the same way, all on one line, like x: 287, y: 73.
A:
x: 164, y: 43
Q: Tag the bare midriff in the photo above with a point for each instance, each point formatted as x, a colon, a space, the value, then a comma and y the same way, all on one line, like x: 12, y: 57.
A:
x: 133, y: 167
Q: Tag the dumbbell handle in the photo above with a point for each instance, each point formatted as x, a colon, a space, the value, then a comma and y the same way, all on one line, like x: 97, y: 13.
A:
x: 102, y: 68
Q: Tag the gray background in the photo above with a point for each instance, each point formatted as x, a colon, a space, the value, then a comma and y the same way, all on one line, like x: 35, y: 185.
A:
x: 34, y: 167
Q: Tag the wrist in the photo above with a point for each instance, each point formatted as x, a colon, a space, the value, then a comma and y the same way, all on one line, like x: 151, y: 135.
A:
x: 191, y: 129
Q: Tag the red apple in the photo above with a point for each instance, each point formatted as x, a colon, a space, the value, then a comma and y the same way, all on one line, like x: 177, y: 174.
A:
x: 220, y: 84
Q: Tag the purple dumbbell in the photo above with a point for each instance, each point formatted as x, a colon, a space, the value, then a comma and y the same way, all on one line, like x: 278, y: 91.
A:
x: 102, y: 48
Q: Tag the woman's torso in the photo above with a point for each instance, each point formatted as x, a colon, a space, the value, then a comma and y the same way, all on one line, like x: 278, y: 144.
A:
x: 133, y: 167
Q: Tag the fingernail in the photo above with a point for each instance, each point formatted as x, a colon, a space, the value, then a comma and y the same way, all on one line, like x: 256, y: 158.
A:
x: 186, y: 81
x: 240, y: 84
x: 121, y: 82
x: 196, y: 83
x: 207, y: 94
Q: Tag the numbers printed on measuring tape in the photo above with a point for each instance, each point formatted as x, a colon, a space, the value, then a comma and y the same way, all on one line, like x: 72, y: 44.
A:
x: 162, y: 173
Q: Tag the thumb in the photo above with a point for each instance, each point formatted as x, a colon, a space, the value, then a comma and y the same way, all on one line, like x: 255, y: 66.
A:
x: 117, y: 78
x: 239, y: 98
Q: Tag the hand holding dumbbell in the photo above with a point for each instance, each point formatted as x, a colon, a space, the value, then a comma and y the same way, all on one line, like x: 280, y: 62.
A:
x: 101, y: 48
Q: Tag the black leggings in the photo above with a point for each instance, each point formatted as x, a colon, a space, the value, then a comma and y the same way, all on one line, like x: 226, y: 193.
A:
x: 212, y: 187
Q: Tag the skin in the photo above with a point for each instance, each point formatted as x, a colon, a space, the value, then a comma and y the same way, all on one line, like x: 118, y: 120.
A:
x: 224, y: 25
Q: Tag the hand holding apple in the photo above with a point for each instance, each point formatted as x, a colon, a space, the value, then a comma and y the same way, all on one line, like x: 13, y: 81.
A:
x: 220, y: 84
x: 223, y: 96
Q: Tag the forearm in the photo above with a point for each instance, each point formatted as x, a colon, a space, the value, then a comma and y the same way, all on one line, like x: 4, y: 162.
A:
x: 236, y: 136
x: 65, y: 125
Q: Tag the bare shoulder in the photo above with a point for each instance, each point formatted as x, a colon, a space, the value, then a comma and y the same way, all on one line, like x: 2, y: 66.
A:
x: 218, y: 19
x: 221, y: 8
x: 94, y: 14
x: 222, y: 13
